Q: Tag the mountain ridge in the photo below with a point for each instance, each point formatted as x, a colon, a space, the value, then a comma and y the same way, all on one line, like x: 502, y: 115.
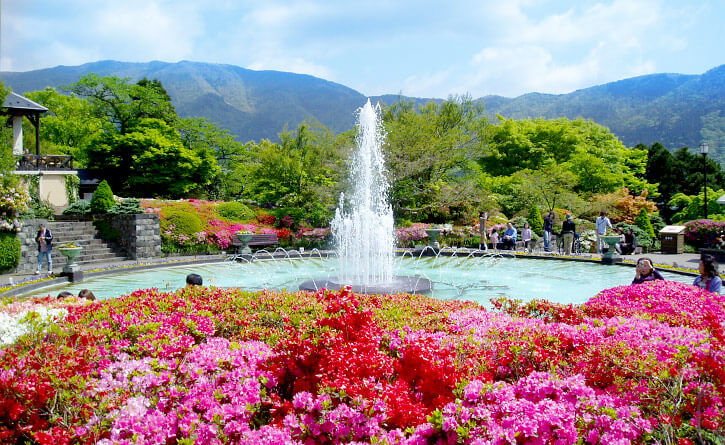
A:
x: 674, y: 109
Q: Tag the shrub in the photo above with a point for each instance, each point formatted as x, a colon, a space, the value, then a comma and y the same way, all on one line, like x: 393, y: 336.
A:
x: 9, y: 251
x: 106, y: 230
x: 518, y: 222
x: 642, y: 221
x: 129, y: 206
x: 179, y: 222
x: 657, y: 223
x: 80, y: 207
x: 535, y: 220
x: 102, y: 198
x: 39, y: 209
x: 702, y: 232
x: 235, y: 211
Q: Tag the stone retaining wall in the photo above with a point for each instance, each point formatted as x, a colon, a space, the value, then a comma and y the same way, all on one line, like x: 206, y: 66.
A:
x: 139, y: 238
x: 28, y: 246
x: 140, y: 235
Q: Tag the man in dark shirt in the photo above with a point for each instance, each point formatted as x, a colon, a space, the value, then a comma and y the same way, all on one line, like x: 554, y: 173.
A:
x: 548, y: 227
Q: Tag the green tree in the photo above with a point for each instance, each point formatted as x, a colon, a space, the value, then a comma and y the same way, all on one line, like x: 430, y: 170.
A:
x: 430, y: 156
x: 151, y: 158
x: 299, y: 176
x: 690, y: 207
x: 69, y: 126
x: 642, y: 221
x: 535, y: 220
x: 198, y: 134
x: 102, y: 199
x: 125, y: 104
x: 599, y: 161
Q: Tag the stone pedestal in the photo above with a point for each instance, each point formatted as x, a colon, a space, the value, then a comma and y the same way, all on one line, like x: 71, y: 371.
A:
x: 611, y: 256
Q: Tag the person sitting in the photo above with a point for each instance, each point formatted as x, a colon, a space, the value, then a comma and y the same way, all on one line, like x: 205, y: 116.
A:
x: 509, y: 237
x: 64, y: 294
x: 620, y: 233
x: 627, y: 246
x: 709, y: 279
x: 526, y: 236
x: 194, y: 279
x: 494, y: 239
x: 646, y: 271
x: 88, y: 295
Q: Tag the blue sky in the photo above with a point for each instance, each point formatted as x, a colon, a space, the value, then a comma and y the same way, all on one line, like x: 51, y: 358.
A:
x: 415, y: 47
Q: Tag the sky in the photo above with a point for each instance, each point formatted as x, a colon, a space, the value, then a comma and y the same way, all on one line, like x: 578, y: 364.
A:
x: 419, y: 48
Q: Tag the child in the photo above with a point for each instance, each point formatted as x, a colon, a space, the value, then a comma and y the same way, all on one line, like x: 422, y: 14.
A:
x: 494, y: 239
x: 526, y: 236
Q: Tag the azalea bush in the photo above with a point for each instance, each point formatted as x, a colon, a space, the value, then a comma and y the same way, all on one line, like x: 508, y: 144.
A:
x: 209, y: 226
x: 702, y: 232
x: 641, y: 363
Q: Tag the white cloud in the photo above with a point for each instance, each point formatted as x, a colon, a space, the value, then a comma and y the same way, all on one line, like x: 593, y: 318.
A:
x: 294, y: 65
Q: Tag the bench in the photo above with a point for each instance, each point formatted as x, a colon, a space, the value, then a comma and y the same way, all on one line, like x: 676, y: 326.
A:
x: 258, y: 240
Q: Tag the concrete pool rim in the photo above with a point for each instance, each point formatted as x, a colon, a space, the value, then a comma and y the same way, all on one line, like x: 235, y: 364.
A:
x: 24, y: 288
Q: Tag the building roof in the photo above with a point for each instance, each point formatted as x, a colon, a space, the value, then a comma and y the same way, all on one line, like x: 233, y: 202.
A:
x: 16, y: 103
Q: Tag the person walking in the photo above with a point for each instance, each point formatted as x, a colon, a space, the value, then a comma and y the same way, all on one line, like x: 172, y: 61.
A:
x: 602, y: 224
x: 44, y: 238
x: 568, y: 228
x: 548, y: 227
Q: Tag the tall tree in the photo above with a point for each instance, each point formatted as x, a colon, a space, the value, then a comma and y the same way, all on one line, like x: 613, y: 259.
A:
x: 125, y: 104
x: 150, y: 158
x: 70, y: 124
x: 429, y: 152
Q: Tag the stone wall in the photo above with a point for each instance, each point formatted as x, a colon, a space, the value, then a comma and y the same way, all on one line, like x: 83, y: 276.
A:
x: 139, y: 235
x: 28, y: 246
x: 139, y: 238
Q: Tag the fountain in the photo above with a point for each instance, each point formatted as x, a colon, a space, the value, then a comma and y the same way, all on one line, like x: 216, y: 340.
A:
x: 364, y: 233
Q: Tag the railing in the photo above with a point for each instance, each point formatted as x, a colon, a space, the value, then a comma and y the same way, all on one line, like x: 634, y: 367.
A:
x: 44, y: 162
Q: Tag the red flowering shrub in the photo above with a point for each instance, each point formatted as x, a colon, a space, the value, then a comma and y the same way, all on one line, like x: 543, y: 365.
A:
x: 642, y: 363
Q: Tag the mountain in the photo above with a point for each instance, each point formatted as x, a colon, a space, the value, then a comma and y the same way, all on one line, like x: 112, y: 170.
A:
x: 674, y: 109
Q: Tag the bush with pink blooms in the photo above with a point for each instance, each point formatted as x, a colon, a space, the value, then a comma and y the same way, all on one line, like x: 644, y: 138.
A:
x: 635, y: 364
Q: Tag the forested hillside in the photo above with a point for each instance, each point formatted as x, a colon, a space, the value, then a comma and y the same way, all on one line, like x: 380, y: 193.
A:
x: 674, y: 109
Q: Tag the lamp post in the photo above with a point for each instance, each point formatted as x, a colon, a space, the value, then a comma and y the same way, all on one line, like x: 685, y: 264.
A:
x: 704, y: 148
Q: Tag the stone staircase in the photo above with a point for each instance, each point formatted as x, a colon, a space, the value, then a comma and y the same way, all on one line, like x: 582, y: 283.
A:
x: 83, y: 234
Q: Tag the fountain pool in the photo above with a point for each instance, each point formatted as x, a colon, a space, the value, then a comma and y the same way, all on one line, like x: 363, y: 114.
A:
x: 474, y: 278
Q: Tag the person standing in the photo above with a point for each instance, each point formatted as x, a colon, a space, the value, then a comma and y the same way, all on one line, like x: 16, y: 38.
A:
x: 526, y: 236
x: 45, y: 247
x: 568, y: 228
x: 709, y: 278
x: 602, y: 224
x: 548, y: 227
x: 482, y: 218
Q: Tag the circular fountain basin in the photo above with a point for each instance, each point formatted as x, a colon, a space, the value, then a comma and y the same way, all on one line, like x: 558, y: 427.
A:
x: 400, y: 284
x: 462, y: 278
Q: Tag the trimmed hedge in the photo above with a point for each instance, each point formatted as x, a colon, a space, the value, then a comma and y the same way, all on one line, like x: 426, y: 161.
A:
x: 183, y: 222
x: 9, y: 251
x: 235, y: 211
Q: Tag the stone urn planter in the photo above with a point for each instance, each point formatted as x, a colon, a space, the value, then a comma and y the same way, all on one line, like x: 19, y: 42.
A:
x: 243, y: 241
x: 433, y: 234
x: 71, y: 253
x: 611, y: 256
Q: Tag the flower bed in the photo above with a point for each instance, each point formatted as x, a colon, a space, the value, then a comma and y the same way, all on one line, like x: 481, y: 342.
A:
x: 203, y: 365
